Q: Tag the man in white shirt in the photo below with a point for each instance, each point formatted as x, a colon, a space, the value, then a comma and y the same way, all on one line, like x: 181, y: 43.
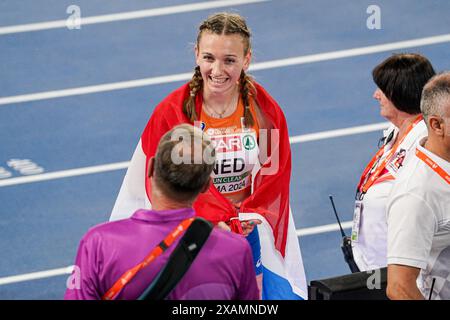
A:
x: 418, y: 211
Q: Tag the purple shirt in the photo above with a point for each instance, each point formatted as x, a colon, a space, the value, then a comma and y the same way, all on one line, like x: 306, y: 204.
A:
x: 222, y: 270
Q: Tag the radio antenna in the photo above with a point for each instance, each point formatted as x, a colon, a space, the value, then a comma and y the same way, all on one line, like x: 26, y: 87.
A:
x: 337, y: 217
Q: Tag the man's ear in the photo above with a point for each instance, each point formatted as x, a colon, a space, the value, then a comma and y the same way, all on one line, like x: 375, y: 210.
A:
x: 206, y: 186
x: 151, y: 166
x: 436, y: 124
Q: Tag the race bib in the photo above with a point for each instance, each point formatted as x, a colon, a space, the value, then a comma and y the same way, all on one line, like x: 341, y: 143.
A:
x: 236, y: 155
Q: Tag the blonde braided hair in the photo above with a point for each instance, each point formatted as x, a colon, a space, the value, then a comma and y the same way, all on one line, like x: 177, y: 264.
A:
x: 195, y: 85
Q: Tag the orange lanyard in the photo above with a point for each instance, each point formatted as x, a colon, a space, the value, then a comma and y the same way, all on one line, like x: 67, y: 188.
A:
x: 368, y: 179
x: 433, y: 165
x: 157, y: 251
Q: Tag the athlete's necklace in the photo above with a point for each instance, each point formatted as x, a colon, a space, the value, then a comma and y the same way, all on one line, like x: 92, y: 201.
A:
x: 228, y: 110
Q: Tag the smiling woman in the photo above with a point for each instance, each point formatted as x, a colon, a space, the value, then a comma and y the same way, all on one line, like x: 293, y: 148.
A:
x: 231, y: 108
x: 221, y: 61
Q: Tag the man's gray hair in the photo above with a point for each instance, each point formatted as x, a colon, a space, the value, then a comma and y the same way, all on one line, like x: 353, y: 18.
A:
x: 184, y: 161
x: 436, y: 96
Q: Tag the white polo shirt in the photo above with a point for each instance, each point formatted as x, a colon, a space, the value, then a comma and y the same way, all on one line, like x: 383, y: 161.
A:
x: 369, y: 246
x: 418, y: 215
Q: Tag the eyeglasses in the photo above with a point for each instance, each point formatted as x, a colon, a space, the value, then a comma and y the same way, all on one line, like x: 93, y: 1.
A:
x: 385, y: 140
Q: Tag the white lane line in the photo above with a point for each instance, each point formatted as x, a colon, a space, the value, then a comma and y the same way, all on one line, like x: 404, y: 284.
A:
x: 339, y: 132
x: 255, y: 67
x: 95, y: 88
x: 123, y: 165
x: 127, y: 15
x: 36, y: 275
x: 323, y: 229
x: 65, y: 173
x: 68, y: 270
x: 353, y: 52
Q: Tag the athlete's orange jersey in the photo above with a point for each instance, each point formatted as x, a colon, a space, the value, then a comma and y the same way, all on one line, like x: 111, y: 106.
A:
x: 236, y: 151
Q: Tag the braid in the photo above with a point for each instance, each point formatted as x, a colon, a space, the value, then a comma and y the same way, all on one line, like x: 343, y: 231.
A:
x: 195, y: 85
x: 248, y: 92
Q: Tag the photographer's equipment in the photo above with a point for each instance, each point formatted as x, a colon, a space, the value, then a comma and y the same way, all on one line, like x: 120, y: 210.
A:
x: 346, y: 244
x: 368, y: 285
x: 179, y: 261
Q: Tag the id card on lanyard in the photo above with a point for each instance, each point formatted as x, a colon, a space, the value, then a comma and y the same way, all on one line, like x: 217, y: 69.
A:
x: 376, y: 167
x: 356, y: 220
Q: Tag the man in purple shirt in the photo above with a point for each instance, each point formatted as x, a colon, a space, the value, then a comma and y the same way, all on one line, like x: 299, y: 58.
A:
x: 222, y: 270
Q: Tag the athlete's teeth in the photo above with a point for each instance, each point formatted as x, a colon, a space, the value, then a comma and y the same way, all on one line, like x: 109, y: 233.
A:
x: 217, y: 80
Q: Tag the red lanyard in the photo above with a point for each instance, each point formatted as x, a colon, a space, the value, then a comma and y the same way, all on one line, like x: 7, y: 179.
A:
x: 157, y: 251
x: 433, y: 165
x: 368, y: 179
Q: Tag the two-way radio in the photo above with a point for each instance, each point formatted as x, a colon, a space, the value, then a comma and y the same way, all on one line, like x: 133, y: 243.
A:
x: 346, y: 244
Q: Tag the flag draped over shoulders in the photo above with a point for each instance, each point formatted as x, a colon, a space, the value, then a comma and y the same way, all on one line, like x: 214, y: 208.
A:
x: 270, y: 196
x: 283, y: 272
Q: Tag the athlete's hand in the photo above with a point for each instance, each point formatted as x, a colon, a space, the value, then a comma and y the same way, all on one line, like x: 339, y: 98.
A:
x: 249, y: 225
x: 222, y: 225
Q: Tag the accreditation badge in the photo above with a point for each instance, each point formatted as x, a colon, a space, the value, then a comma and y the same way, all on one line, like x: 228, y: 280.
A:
x: 356, y: 220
